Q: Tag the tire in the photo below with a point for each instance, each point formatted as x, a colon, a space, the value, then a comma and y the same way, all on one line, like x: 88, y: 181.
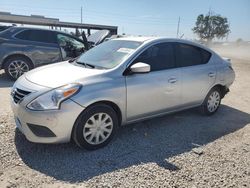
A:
x: 86, y: 128
x: 212, y: 101
x: 16, y: 66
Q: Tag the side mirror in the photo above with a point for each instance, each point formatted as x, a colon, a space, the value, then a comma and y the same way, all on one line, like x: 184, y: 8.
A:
x: 140, y: 68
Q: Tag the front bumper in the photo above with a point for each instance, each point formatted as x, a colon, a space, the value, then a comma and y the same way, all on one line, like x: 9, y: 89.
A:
x: 59, y: 122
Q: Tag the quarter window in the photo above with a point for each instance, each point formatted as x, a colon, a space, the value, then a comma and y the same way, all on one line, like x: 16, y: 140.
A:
x: 188, y: 55
x: 37, y: 36
x: 159, y: 57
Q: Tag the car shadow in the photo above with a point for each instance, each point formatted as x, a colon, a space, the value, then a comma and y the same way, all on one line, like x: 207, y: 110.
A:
x: 5, y: 81
x: 154, y: 140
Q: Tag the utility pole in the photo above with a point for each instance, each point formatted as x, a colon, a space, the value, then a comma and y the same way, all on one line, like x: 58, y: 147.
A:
x: 178, y: 27
x: 81, y: 14
x: 81, y: 18
x: 209, y: 13
x: 209, y: 25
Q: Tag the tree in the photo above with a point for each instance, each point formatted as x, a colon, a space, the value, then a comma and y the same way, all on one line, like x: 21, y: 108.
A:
x: 209, y: 26
x: 239, y: 41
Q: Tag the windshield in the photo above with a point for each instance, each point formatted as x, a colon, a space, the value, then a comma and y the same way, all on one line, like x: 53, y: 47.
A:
x: 108, y: 54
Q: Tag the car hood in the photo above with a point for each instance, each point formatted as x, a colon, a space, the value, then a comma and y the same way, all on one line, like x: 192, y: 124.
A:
x: 59, y: 74
x: 98, y: 37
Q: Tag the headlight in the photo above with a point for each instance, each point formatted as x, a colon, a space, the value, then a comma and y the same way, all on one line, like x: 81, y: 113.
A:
x: 52, y: 99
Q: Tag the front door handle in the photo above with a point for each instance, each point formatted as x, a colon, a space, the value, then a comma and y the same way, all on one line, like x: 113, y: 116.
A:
x: 211, y: 74
x: 172, y: 80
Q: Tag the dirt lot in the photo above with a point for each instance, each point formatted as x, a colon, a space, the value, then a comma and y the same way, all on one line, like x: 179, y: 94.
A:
x: 179, y: 150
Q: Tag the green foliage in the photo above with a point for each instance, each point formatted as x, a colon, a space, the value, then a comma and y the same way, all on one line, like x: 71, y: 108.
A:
x: 211, y: 26
x: 239, y: 40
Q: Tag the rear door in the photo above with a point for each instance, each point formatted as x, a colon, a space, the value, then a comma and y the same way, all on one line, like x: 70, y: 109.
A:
x: 198, y: 73
x: 157, y: 91
x: 41, y: 45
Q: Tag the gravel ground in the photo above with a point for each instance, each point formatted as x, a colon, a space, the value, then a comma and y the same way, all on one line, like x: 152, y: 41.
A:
x: 184, y: 149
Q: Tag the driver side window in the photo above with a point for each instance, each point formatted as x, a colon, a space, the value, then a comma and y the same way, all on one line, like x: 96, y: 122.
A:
x: 159, y: 57
x: 69, y: 46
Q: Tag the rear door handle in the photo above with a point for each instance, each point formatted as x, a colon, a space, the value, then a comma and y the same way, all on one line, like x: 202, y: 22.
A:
x: 211, y: 74
x: 172, y: 80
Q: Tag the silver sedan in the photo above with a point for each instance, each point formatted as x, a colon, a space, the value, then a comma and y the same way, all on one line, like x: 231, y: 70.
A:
x: 116, y: 83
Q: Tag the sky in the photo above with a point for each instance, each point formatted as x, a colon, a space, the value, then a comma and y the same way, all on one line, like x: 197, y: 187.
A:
x: 141, y: 17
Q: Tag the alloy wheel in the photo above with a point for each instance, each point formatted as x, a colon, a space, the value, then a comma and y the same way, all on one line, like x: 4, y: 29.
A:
x: 17, y: 68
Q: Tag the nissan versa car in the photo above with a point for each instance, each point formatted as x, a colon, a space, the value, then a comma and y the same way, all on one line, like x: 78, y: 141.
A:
x: 118, y: 82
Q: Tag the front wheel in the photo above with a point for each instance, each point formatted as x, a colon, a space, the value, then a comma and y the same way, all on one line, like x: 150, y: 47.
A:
x: 212, y: 101
x: 95, y: 127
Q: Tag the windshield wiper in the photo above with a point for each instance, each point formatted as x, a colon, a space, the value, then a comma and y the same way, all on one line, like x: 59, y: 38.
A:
x: 86, y: 64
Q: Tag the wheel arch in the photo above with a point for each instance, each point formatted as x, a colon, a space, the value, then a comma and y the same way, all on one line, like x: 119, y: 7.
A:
x: 223, y: 89
x: 109, y: 103
x: 16, y: 55
x: 114, y: 106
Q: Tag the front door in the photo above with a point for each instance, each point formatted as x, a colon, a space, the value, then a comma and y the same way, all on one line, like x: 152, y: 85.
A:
x: 157, y: 91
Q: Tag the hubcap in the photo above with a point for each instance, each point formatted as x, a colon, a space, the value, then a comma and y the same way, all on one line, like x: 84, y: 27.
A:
x: 17, y: 68
x: 213, y: 101
x: 98, y: 128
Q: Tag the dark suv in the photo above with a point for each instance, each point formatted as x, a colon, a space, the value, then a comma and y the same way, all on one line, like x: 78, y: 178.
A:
x: 22, y: 49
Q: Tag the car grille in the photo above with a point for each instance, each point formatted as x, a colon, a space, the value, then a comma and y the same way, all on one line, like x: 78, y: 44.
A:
x: 19, y: 94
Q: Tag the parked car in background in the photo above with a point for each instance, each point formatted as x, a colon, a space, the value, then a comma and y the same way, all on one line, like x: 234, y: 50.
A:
x: 22, y: 48
x: 118, y: 82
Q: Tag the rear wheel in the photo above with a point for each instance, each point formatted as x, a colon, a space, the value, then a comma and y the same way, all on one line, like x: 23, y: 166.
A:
x: 17, y: 66
x: 95, y: 127
x: 212, y: 101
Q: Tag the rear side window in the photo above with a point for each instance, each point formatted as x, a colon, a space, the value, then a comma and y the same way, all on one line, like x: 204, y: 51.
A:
x: 188, y: 55
x: 159, y: 57
x: 37, y: 36
x: 205, y: 55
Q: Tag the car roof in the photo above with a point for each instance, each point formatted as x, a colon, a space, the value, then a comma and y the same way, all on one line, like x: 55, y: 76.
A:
x: 147, y: 39
x: 135, y: 38
x: 37, y: 28
x: 16, y: 29
x: 166, y: 39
